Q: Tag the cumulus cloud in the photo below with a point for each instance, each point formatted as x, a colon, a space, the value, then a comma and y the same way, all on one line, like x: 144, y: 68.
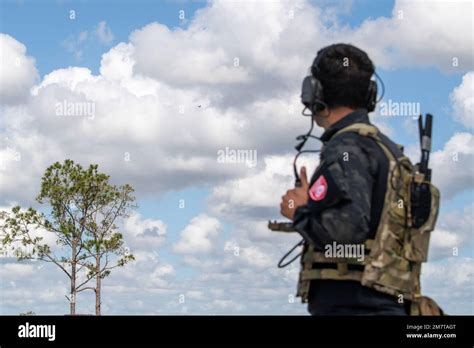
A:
x: 258, y: 194
x: 453, y: 172
x: 198, y: 236
x: 412, y: 35
x: 210, y: 51
x: 144, y: 234
x: 143, y: 96
x: 131, y: 123
x: 159, y: 275
x: 17, y: 71
x: 117, y: 64
x: 240, y: 197
x: 462, y: 99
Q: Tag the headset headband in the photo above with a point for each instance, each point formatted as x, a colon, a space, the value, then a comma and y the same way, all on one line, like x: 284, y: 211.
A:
x: 312, y: 95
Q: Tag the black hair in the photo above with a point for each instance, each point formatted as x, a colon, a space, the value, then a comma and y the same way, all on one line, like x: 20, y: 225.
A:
x: 344, y: 71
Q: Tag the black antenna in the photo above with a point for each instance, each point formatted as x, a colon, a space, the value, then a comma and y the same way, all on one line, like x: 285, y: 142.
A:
x: 425, y: 144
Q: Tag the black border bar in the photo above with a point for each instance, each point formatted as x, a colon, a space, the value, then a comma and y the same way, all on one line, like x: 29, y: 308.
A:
x: 222, y: 330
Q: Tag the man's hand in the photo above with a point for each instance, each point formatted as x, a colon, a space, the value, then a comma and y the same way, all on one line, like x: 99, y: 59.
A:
x: 295, y: 197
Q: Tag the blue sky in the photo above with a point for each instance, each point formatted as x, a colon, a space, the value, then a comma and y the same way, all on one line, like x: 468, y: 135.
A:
x: 57, y: 42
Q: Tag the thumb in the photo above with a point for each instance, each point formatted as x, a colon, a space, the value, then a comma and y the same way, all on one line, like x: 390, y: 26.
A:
x: 303, y: 177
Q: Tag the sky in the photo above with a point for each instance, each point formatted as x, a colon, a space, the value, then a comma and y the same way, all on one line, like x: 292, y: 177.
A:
x: 172, y: 83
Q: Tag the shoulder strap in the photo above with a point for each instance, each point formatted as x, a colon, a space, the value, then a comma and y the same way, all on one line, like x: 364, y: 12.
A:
x: 368, y: 130
x: 363, y: 129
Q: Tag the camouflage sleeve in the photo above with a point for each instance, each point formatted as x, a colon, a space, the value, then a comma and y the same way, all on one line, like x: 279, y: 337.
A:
x: 340, y: 196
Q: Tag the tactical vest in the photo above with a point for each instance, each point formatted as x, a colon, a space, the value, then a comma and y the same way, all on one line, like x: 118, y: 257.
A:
x: 393, y: 262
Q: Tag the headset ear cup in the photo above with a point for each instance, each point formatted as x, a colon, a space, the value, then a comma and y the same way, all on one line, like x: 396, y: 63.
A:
x: 371, y: 96
x: 312, y: 94
x: 318, y: 96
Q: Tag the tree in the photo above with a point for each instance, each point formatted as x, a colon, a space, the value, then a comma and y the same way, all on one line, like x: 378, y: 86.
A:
x: 84, y: 207
x: 104, y: 239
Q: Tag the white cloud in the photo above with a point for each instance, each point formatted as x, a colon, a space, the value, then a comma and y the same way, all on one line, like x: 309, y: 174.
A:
x: 290, y: 33
x: 199, y: 65
x: 51, y: 295
x: 450, y: 283
x: 453, y: 233
x: 23, y: 288
x: 259, y: 193
x: 17, y: 71
x: 212, y: 52
x: 241, y: 196
x: 442, y: 243
x: 255, y: 257
x: 18, y: 270
x: 227, y: 306
x: 67, y: 79
x: 453, y: 171
x: 117, y: 64
x: 198, y: 236
x: 145, y: 93
x: 195, y: 294
x: 136, y: 117
x: 419, y: 33
x: 104, y: 33
x: 161, y: 274
x: 462, y: 98
x: 144, y: 234
x: 163, y: 270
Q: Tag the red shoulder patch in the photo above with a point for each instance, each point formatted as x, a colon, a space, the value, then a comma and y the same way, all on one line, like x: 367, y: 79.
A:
x: 319, y: 189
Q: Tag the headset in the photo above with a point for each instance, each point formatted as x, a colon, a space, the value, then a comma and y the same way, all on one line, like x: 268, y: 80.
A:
x: 312, y: 92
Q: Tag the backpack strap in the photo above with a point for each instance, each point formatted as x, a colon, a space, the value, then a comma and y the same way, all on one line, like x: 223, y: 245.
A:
x: 370, y: 131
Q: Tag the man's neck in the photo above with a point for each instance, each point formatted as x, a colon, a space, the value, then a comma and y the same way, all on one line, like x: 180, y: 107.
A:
x: 335, y: 115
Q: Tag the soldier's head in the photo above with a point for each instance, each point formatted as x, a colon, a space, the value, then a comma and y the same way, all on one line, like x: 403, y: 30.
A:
x: 344, y: 72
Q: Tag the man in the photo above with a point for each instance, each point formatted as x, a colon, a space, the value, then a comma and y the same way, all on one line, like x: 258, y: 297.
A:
x: 343, y: 201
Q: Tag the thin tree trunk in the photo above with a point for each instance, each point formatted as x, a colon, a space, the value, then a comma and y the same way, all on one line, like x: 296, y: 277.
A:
x: 98, y: 285
x: 72, y: 299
